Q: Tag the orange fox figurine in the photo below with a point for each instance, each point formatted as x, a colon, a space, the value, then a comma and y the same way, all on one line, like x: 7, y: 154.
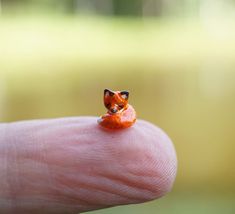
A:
x: 120, y: 114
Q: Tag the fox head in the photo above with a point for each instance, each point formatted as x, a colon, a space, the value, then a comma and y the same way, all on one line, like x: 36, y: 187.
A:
x: 115, y: 101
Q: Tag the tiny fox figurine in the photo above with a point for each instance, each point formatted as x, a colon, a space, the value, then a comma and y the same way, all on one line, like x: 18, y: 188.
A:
x: 120, y: 114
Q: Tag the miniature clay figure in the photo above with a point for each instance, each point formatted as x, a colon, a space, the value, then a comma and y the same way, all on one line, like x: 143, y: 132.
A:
x: 120, y: 114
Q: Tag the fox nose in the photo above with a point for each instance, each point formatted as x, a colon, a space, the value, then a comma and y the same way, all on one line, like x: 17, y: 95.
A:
x: 113, y: 110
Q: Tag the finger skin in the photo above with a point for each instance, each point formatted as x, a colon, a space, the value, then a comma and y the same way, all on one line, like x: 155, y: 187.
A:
x: 72, y: 165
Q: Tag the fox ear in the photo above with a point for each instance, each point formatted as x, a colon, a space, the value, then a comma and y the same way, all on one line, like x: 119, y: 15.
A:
x: 125, y: 94
x: 108, y: 92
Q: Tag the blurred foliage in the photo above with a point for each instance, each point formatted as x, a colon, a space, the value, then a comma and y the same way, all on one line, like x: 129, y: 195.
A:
x: 180, y: 72
x: 135, y: 8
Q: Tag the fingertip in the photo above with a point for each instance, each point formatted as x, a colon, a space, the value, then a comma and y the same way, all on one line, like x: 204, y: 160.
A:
x: 146, y: 150
x: 163, y: 159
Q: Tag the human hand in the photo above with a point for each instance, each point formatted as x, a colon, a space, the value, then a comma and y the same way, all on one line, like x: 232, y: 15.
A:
x: 72, y: 165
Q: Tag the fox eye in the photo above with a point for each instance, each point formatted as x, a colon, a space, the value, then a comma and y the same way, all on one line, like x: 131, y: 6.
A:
x: 107, y: 105
x: 121, y: 105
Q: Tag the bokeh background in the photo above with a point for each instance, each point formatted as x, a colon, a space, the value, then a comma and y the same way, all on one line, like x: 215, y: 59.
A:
x: 176, y: 57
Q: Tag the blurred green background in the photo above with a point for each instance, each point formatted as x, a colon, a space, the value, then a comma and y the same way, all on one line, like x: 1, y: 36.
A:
x: 177, y: 58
